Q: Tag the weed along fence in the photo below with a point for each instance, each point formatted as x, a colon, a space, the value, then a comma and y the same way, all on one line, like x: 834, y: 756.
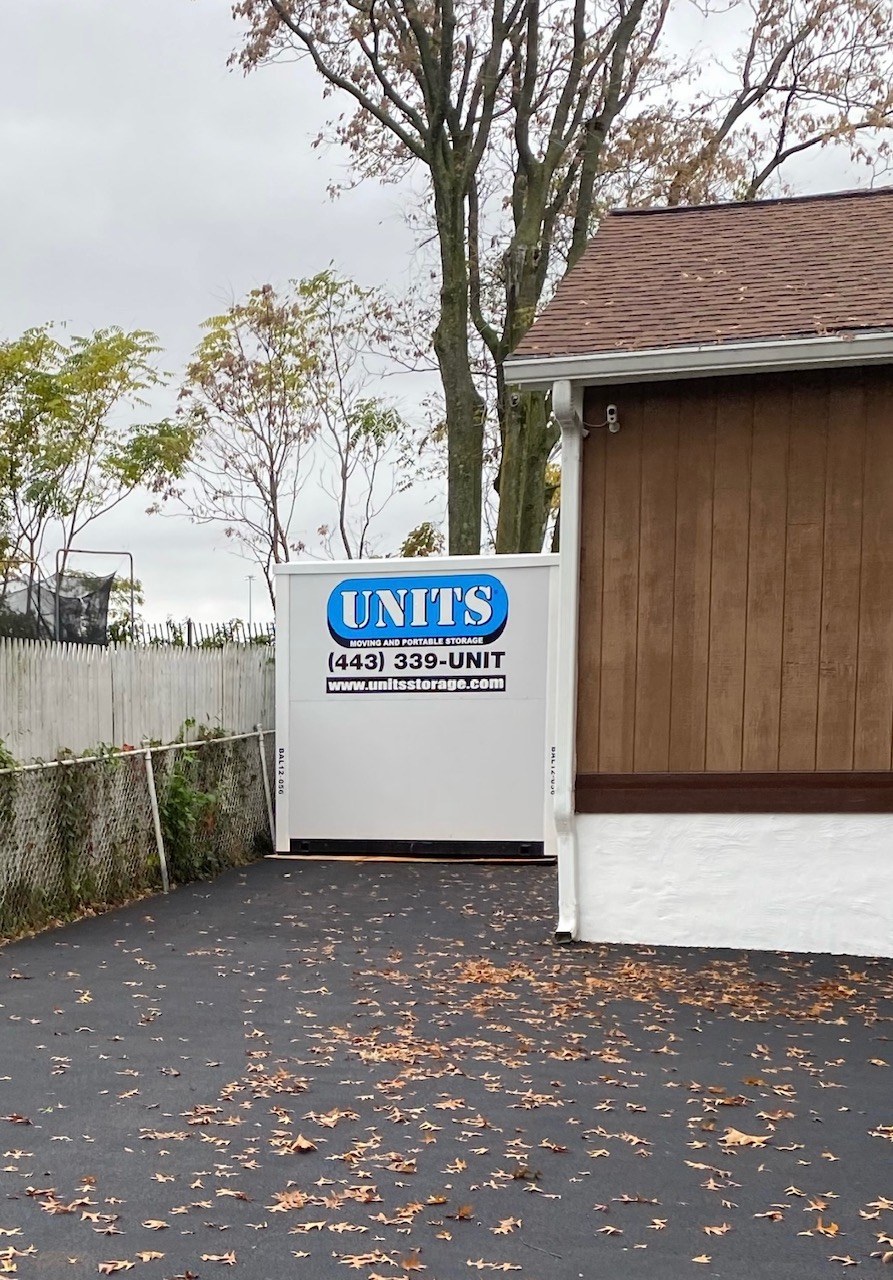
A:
x: 73, y: 697
x: 99, y: 830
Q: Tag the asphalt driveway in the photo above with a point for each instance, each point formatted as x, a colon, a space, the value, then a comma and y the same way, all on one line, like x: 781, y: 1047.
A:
x: 324, y: 1070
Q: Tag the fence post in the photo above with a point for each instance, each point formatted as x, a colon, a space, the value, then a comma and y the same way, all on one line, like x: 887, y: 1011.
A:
x: 266, y: 778
x: 156, y: 820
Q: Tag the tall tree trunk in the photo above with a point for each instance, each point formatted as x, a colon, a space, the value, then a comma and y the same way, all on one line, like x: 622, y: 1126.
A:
x: 464, y: 406
x: 542, y: 436
x: 528, y: 435
x: 528, y: 438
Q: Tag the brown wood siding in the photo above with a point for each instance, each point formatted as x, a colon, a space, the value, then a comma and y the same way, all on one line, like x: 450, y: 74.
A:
x: 736, y: 596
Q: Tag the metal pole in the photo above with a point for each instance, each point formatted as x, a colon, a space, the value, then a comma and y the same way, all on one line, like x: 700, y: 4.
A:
x: 156, y: 820
x: 266, y: 778
x: 250, y: 578
x: 57, y: 604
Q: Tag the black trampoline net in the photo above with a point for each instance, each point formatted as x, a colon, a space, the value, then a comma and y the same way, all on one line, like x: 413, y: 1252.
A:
x: 73, y: 607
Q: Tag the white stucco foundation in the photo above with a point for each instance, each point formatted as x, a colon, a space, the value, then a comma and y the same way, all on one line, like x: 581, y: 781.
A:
x: 779, y: 882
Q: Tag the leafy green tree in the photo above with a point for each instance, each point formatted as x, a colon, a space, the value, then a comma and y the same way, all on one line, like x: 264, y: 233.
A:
x: 122, y: 627
x: 33, y: 419
x: 424, y: 540
x: 111, y: 452
x: 73, y: 442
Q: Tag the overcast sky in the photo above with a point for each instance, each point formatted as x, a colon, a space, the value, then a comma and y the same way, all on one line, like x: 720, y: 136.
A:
x: 145, y: 185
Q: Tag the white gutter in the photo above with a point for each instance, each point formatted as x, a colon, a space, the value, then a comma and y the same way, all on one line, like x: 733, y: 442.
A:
x: 658, y: 364
x: 567, y: 405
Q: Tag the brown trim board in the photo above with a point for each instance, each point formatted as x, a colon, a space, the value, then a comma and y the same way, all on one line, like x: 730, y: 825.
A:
x: 798, y: 792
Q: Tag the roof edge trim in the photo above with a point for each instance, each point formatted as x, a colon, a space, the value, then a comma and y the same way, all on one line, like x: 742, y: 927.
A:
x: 715, y: 359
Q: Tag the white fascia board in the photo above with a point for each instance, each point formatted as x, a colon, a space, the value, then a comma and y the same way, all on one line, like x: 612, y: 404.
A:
x: 419, y: 565
x: 660, y: 364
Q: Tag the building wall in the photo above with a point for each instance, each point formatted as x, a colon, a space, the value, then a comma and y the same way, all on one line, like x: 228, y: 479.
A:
x: 770, y: 881
x: 736, y: 607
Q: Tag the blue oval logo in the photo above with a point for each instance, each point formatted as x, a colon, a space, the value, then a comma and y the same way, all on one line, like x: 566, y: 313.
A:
x: 448, y: 608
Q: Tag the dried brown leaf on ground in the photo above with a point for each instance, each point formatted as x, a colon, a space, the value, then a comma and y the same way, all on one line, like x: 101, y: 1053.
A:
x: 481, y: 1265
x: 506, y: 1226
x: 735, y: 1138
x: 464, y: 1213
x: 359, y: 1261
x: 297, y: 1146
x: 286, y: 1200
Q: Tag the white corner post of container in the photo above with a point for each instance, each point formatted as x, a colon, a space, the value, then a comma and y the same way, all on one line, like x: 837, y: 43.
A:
x: 567, y: 404
x: 282, y: 712
x: 156, y: 819
x: 266, y: 777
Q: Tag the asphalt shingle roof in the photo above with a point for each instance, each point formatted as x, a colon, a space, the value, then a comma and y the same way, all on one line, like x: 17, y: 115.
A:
x: 773, y: 269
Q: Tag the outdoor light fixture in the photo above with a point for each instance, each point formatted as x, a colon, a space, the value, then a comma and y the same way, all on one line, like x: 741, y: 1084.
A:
x: 612, y: 422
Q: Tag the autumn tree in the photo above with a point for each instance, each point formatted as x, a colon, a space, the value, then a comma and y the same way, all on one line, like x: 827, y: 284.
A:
x: 529, y: 116
x: 278, y: 393
x: 364, y: 446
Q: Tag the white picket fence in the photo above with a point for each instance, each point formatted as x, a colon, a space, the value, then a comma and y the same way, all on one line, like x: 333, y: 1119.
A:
x: 55, y: 696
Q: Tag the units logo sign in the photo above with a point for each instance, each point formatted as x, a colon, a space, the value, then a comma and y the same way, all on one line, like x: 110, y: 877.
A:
x: 432, y: 609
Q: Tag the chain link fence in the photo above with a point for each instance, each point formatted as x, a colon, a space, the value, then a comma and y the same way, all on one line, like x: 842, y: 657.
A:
x: 100, y: 830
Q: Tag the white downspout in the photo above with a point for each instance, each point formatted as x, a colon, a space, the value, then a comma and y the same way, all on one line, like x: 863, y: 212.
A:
x: 567, y: 406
